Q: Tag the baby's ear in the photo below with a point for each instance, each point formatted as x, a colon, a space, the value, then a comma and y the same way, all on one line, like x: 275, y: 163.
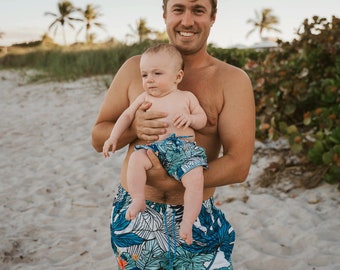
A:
x: 179, y: 76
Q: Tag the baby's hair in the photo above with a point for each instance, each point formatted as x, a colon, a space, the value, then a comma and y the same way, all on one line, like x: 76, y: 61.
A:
x: 168, y: 48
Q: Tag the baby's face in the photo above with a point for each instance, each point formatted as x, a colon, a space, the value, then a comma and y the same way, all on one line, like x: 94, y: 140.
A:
x: 160, y: 73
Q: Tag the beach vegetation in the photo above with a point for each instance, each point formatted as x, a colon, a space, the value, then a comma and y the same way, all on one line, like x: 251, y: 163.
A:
x: 141, y: 30
x: 63, y: 18
x: 61, y: 63
x: 89, y: 17
x: 297, y: 92
x: 264, y: 21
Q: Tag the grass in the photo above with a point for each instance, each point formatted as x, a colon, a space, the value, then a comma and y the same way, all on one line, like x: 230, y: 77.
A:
x: 69, y: 63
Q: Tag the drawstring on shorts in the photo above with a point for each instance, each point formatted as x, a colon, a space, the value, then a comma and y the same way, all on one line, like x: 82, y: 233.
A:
x: 171, y: 255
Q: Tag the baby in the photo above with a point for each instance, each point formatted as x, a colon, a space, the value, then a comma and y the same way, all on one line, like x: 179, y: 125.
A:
x: 162, y: 70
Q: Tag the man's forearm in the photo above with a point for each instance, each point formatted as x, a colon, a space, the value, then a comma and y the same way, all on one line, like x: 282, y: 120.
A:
x: 226, y: 170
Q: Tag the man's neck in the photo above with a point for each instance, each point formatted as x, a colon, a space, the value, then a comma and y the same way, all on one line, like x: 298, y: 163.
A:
x: 197, y: 60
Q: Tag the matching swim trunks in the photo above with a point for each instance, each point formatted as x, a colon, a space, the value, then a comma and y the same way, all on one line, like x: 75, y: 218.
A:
x: 151, y: 241
x: 177, y: 156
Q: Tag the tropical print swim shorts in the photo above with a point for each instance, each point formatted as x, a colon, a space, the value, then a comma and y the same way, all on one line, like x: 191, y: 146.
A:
x: 177, y: 156
x: 151, y: 240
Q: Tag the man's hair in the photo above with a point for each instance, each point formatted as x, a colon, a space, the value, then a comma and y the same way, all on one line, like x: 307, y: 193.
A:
x: 168, y: 48
x: 213, y: 6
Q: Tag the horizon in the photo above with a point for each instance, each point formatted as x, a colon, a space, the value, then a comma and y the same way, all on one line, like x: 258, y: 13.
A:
x: 229, y: 30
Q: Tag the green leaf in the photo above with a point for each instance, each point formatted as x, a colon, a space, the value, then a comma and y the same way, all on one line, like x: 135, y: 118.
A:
x: 283, y: 126
x: 292, y: 129
x: 319, y: 135
x: 296, y: 148
x: 289, y: 109
x: 316, y: 152
x: 307, y: 121
x: 327, y: 158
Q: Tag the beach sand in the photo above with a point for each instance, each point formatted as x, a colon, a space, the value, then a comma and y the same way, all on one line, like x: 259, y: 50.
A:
x: 56, y: 191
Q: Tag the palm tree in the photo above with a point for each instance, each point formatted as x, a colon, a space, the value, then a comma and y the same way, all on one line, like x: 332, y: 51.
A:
x: 161, y: 35
x: 141, y: 30
x: 265, y: 21
x: 65, y: 9
x: 1, y: 35
x: 90, y: 14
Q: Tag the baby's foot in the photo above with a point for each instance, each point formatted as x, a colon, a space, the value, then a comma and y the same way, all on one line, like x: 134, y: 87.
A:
x: 137, y: 205
x: 185, y: 232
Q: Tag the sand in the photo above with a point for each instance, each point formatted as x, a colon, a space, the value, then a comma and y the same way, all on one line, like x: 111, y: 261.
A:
x: 56, y: 191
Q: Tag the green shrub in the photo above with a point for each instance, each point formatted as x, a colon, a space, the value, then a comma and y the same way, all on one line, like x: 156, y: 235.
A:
x: 236, y: 57
x: 297, y: 92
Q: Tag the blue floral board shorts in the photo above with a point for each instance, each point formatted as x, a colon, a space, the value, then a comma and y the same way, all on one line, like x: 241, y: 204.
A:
x: 177, y: 156
x: 151, y: 240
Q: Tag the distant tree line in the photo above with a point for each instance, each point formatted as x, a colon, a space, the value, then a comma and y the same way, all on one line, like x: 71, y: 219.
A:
x: 67, y: 16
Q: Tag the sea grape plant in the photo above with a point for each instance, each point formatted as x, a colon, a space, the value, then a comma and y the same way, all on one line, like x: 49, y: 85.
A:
x: 297, y: 93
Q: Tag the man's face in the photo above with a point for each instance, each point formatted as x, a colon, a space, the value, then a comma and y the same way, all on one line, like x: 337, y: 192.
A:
x: 188, y: 24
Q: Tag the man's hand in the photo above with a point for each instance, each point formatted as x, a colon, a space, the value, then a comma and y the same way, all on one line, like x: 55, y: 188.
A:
x: 157, y: 172
x: 148, y: 125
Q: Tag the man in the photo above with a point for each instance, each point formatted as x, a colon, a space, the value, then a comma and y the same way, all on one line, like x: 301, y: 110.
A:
x: 150, y: 241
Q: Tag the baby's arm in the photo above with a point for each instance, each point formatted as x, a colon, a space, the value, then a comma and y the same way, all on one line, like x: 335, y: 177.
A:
x: 197, y: 118
x: 122, y: 123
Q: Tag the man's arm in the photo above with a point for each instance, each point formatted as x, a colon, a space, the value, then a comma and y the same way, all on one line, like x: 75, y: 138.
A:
x: 116, y: 100
x: 237, y: 134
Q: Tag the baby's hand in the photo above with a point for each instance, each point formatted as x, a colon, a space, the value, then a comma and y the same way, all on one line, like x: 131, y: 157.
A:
x: 182, y: 120
x: 106, y: 148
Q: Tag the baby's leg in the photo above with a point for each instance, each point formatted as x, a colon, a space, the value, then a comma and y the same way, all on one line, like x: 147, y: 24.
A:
x: 193, y: 197
x: 138, y: 164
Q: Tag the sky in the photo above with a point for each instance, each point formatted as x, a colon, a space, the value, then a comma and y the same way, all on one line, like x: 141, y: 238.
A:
x: 24, y: 20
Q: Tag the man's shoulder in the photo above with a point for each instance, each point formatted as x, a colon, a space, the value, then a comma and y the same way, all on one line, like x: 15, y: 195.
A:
x: 227, y: 70
x: 129, y: 71
x: 224, y: 65
x: 132, y: 61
